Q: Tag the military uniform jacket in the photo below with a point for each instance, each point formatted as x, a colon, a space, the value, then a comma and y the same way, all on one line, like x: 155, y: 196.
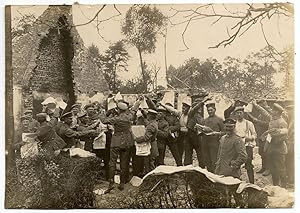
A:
x: 174, y: 126
x: 67, y: 134
x: 150, y: 137
x: 278, y: 142
x: 193, y: 119
x: 49, y: 139
x: 122, y: 136
x: 231, y: 155
x: 163, y: 131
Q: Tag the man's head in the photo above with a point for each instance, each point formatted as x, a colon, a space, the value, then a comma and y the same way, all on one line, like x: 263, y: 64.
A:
x: 28, y: 113
x: 161, y: 112
x: 90, y: 110
x: 122, y: 106
x: 67, y: 118
x: 239, y: 113
x: 82, y: 117
x: 185, y: 108
x: 41, y: 117
x: 25, y: 121
x: 75, y: 108
x: 277, y: 110
x: 229, y: 125
x: 211, y: 109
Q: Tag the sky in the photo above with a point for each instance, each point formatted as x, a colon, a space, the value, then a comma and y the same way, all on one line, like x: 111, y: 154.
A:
x: 200, y: 35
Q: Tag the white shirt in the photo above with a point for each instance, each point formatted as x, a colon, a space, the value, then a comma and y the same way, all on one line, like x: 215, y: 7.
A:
x: 244, y: 129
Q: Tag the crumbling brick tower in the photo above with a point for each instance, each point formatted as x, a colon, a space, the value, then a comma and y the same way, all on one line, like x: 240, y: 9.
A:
x: 51, y: 59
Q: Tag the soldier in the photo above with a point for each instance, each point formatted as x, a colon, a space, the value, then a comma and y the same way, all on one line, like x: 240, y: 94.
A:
x: 121, y: 145
x: 24, y: 128
x: 261, y: 124
x: 63, y: 129
x: 232, y: 152
x: 33, y: 124
x: 245, y: 129
x: 211, y: 142
x: 174, y: 127
x: 162, y: 135
x: 84, y: 125
x: 277, y: 150
x: 194, y: 141
x: 75, y: 109
x: 148, y: 162
x: 50, y: 141
x: 290, y: 157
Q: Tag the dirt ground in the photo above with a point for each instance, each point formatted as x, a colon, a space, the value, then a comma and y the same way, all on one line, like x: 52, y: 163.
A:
x: 122, y: 197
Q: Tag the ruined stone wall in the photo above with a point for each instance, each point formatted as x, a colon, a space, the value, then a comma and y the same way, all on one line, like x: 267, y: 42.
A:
x: 48, y: 75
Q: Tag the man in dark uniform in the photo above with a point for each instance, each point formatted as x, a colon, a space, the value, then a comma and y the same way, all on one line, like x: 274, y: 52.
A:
x: 148, y: 162
x: 84, y: 125
x: 163, y: 135
x: 174, y: 128
x: 194, y: 141
x: 232, y: 152
x: 51, y: 143
x: 211, y: 142
x: 121, y: 144
x: 277, y: 150
x: 63, y: 129
x: 290, y: 157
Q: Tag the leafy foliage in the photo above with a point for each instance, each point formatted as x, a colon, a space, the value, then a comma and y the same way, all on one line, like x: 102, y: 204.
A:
x: 141, y: 28
x: 248, y: 79
x: 46, y: 182
x: 113, y: 61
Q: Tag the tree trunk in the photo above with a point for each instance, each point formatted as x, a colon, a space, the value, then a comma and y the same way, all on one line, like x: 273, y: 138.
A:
x: 143, y: 70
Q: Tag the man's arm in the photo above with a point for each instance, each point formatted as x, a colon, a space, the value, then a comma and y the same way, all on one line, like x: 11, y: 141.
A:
x: 150, y: 131
x: 262, y: 111
x: 164, y: 132
x: 194, y: 109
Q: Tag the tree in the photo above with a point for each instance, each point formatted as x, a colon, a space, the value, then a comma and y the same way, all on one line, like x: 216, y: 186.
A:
x: 113, y: 61
x: 250, y: 78
x: 141, y: 28
x: 195, y: 74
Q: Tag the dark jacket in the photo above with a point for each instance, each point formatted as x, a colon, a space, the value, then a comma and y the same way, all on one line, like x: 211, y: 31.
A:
x: 122, y: 136
x: 150, y: 137
x: 69, y: 135
x: 50, y: 141
x: 174, y: 126
x: 231, y: 155
x: 163, y: 131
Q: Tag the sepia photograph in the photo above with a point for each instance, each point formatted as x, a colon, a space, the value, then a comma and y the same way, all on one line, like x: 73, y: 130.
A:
x: 149, y: 106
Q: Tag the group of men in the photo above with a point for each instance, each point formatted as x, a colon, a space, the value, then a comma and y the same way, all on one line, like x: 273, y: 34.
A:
x: 222, y: 146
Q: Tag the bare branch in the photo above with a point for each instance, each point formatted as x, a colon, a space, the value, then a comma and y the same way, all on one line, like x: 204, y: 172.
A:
x: 245, y: 20
x: 91, y: 20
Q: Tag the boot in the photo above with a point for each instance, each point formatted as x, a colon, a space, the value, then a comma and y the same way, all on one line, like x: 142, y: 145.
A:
x: 121, y: 187
x: 110, y: 187
x: 250, y: 174
x: 266, y: 173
